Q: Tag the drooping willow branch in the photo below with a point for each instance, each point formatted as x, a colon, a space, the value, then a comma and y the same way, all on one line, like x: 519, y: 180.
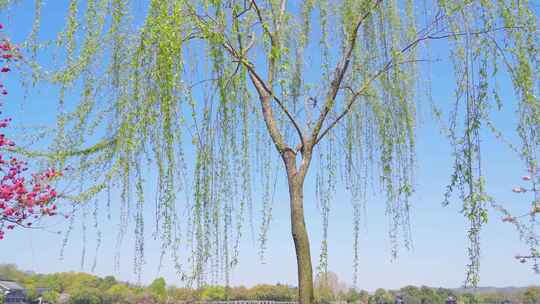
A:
x: 263, y: 89
x: 340, y: 72
x: 356, y: 94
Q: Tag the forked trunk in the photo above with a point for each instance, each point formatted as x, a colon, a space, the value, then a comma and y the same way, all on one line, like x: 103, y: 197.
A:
x: 299, y: 232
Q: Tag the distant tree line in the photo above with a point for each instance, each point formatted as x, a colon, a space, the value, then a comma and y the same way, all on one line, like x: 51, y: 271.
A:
x: 84, y: 288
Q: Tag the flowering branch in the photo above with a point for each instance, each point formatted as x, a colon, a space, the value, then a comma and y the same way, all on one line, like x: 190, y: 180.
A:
x: 24, y: 198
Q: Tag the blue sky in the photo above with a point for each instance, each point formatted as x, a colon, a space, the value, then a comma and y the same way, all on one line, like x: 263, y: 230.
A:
x: 439, y: 255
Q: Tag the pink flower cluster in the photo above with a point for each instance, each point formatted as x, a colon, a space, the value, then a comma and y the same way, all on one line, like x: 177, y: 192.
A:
x: 22, y: 200
x: 527, y: 178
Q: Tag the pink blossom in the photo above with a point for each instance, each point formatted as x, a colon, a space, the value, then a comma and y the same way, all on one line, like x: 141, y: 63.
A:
x: 519, y: 190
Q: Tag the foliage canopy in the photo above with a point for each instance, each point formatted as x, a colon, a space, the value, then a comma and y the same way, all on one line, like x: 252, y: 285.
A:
x: 230, y: 81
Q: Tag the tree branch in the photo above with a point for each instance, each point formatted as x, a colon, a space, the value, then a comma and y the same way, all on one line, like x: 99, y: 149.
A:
x: 355, y: 96
x: 261, y: 20
x: 263, y: 88
x: 271, y: 63
x: 341, y: 69
x: 390, y: 64
x: 265, y: 92
x: 103, y: 144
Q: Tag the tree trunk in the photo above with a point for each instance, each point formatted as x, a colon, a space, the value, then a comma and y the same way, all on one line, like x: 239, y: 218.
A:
x: 299, y: 231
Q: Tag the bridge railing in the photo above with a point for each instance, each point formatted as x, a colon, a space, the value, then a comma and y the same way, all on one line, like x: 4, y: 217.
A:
x: 237, y: 302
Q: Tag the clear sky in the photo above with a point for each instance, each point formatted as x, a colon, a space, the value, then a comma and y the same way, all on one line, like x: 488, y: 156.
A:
x: 439, y: 236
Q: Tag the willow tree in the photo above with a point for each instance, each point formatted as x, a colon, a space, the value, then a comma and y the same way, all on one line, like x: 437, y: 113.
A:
x: 209, y: 95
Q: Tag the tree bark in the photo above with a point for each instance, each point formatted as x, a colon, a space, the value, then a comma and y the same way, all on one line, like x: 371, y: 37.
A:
x: 298, y: 227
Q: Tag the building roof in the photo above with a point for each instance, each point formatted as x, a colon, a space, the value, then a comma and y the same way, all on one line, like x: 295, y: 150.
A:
x: 10, y: 285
